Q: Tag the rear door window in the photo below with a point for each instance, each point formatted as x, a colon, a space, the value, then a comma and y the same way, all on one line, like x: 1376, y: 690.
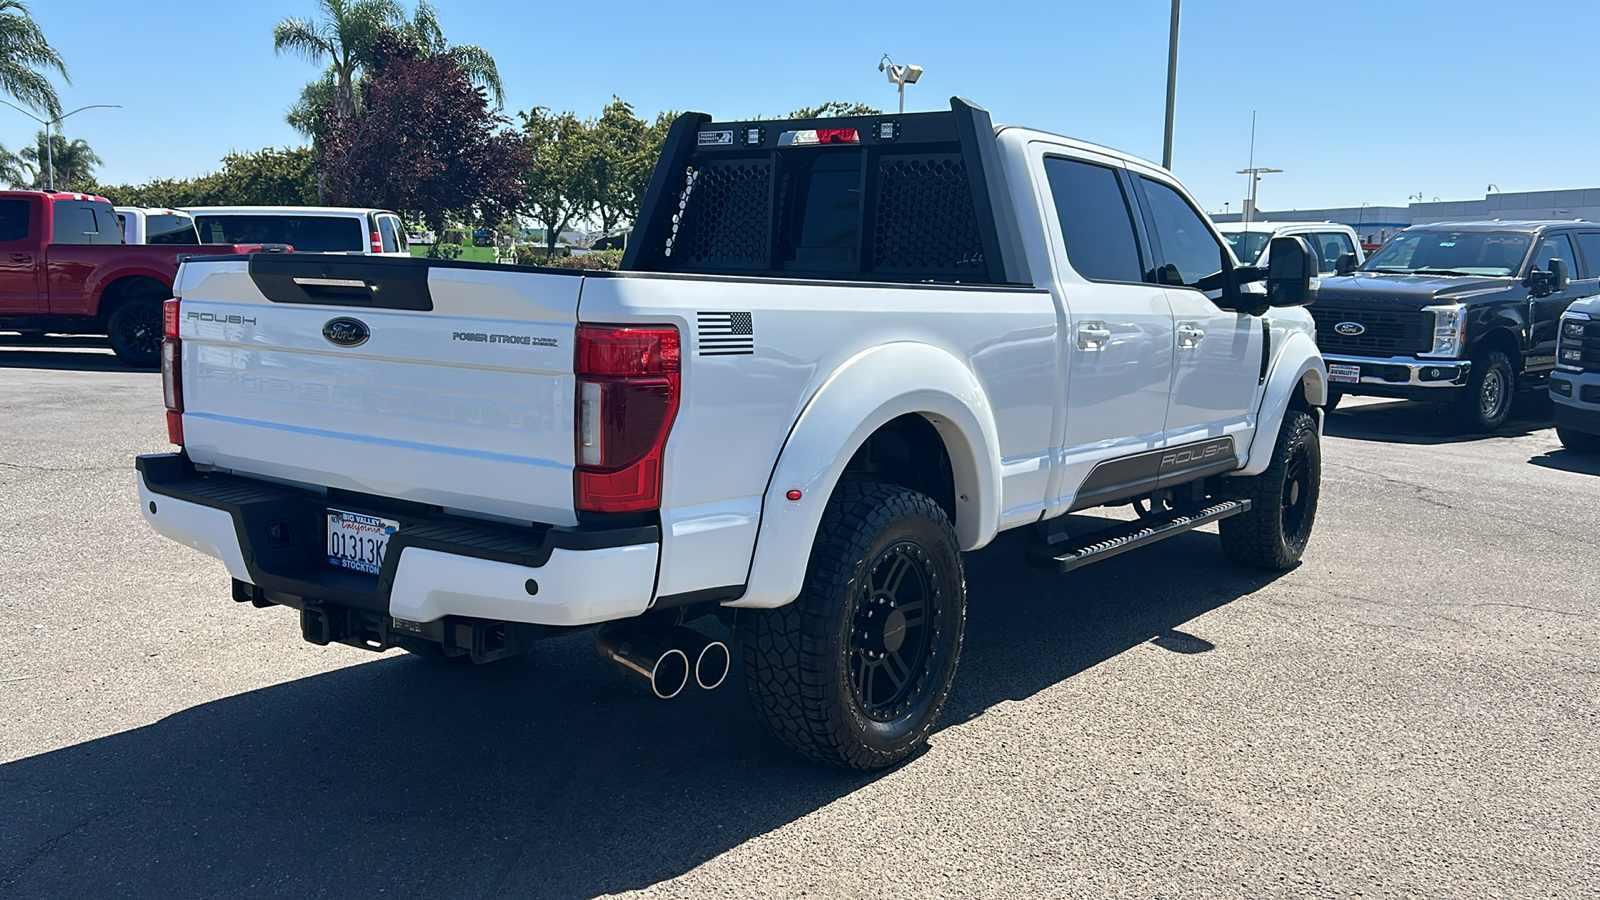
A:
x: 386, y: 231
x: 402, y: 240
x: 169, y: 229
x: 306, y: 233
x: 1096, y: 221
x: 85, y: 222
x: 1187, y: 251
x: 1589, y: 243
x: 15, y: 220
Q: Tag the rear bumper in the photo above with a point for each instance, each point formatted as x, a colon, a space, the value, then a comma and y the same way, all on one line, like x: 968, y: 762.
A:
x: 272, y: 536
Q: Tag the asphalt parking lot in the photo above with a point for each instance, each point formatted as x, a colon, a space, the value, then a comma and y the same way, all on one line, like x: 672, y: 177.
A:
x: 1411, y: 712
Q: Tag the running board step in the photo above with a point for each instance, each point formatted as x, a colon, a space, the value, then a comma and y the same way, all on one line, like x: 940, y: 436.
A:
x: 1108, y: 542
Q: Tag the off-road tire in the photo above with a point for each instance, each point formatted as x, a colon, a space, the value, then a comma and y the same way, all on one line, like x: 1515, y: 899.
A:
x: 1581, y: 441
x: 1283, y: 500
x: 134, y: 330
x: 806, y: 664
x: 1486, y: 402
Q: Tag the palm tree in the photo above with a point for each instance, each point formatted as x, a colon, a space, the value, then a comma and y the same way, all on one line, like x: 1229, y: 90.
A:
x: 344, y: 36
x: 25, y: 57
x: 424, y: 31
x: 73, y: 162
x: 13, y: 170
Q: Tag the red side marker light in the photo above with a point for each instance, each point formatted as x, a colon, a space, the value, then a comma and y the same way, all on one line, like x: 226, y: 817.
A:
x: 793, y: 495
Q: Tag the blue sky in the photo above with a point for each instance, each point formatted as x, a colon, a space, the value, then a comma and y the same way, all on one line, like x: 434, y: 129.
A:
x: 1358, y: 101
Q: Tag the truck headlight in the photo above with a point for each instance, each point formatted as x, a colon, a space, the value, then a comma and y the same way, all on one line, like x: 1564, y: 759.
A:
x: 1449, y: 330
x: 1572, y: 328
x: 1569, y: 345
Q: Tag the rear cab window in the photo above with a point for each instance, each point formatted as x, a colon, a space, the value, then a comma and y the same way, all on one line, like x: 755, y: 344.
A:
x: 386, y: 232
x: 307, y: 233
x: 170, y: 229
x: 1096, y: 220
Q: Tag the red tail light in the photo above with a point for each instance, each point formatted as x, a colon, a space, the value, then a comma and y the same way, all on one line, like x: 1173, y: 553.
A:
x: 627, y: 400
x: 172, y: 370
x: 377, y: 242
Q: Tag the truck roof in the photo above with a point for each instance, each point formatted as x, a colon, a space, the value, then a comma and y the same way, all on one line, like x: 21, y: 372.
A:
x: 282, y: 210
x: 1497, y: 225
x: 1266, y: 227
x: 55, y: 195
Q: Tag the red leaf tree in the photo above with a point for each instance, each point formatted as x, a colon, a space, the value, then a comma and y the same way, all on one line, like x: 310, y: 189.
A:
x: 425, y: 143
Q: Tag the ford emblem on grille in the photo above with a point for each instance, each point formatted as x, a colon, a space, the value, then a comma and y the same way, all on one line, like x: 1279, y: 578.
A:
x: 346, y: 332
x: 1349, y: 329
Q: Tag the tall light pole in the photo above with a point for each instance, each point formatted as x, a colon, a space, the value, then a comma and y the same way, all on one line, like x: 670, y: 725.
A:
x: 49, y: 143
x: 900, y: 75
x: 1172, y: 86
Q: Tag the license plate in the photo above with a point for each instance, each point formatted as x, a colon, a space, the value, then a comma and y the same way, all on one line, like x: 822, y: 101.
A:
x: 1347, y: 374
x: 357, y: 542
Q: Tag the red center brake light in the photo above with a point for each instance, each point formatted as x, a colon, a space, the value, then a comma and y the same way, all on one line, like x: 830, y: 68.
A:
x: 627, y: 400
x: 172, y: 370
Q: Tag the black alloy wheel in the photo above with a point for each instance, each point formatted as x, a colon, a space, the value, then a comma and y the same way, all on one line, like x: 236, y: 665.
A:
x: 854, y: 672
x: 1274, y: 533
x: 891, y: 637
x: 134, y: 329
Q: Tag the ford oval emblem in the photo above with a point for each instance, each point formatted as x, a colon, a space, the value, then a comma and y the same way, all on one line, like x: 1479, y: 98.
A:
x: 1348, y: 329
x: 346, y: 332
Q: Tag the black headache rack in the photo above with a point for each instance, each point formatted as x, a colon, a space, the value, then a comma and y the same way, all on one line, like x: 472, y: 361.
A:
x: 910, y: 197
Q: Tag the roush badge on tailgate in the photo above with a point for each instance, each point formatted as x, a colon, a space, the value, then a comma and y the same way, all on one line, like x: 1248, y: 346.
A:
x: 346, y: 332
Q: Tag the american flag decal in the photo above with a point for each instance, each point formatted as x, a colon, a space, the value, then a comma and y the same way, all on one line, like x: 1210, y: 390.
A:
x: 726, y: 334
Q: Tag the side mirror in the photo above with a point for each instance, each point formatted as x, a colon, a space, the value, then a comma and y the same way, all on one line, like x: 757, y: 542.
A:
x: 1291, y: 273
x: 1345, y: 264
x: 1559, y: 276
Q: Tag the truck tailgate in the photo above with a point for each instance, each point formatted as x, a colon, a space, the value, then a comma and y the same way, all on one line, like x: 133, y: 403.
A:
x: 442, y: 384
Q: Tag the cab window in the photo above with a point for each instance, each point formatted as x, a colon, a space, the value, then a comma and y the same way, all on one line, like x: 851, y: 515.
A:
x: 1096, y: 223
x: 1589, y: 243
x: 14, y: 220
x: 390, y: 242
x: 1556, y: 246
x: 1186, y: 251
x: 1330, y: 245
x: 83, y: 222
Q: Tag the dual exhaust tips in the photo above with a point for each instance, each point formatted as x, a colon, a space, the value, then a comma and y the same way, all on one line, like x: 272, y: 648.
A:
x: 664, y: 661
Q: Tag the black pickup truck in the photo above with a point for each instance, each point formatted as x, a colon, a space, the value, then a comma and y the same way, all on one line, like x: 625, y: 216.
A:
x: 1458, y: 311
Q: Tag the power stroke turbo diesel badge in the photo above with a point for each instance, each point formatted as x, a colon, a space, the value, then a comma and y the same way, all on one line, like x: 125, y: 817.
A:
x: 346, y: 332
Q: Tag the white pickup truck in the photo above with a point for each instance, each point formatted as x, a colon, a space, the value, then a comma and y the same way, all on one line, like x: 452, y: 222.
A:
x: 840, y: 354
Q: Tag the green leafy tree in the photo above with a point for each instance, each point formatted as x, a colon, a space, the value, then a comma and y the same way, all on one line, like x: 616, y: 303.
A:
x: 72, y: 162
x: 835, y: 109
x: 616, y: 141
x: 262, y: 178
x: 343, y: 36
x: 558, y: 175
x: 26, y: 57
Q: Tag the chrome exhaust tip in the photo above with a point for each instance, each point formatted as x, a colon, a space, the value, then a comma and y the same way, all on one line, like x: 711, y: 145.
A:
x: 646, y: 658
x: 709, y: 658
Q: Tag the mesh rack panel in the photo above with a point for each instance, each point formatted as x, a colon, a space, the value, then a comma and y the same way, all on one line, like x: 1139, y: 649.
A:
x: 924, y: 222
x: 722, y: 214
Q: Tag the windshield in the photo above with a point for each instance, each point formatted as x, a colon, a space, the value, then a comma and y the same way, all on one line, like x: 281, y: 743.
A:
x: 1247, y: 245
x: 1492, y: 253
x: 306, y: 233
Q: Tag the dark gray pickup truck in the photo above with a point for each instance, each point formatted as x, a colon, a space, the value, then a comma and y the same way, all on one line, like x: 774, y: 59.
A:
x: 1459, y: 311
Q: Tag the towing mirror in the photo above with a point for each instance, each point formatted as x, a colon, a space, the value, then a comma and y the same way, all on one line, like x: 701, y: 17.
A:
x: 1345, y: 264
x: 1291, y: 273
x: 1559, y: 276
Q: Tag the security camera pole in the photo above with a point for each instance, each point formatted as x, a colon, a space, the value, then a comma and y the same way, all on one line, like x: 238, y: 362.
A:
x: 900, y: 75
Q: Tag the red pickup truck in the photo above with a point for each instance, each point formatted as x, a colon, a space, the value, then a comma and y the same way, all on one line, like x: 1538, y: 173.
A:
x: 64, y: 268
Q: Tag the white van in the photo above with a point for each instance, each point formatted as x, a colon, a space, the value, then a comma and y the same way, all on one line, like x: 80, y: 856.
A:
x: 156, y: 225
x: 308, y: 229
x: 1328, y: 241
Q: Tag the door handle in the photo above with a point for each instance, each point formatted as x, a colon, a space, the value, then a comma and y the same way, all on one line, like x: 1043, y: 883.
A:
x: 1093, y: 336
x: 21, y: 258
x: 1189, y: 334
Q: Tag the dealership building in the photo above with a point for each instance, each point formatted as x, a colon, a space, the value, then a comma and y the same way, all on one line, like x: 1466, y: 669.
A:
x: 1376, y: 224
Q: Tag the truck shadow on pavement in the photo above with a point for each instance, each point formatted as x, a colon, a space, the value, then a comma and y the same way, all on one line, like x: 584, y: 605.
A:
x: 1568, y: 461
x: 77, y: 354
x: 1416, y: 422
x: 544, y: 776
